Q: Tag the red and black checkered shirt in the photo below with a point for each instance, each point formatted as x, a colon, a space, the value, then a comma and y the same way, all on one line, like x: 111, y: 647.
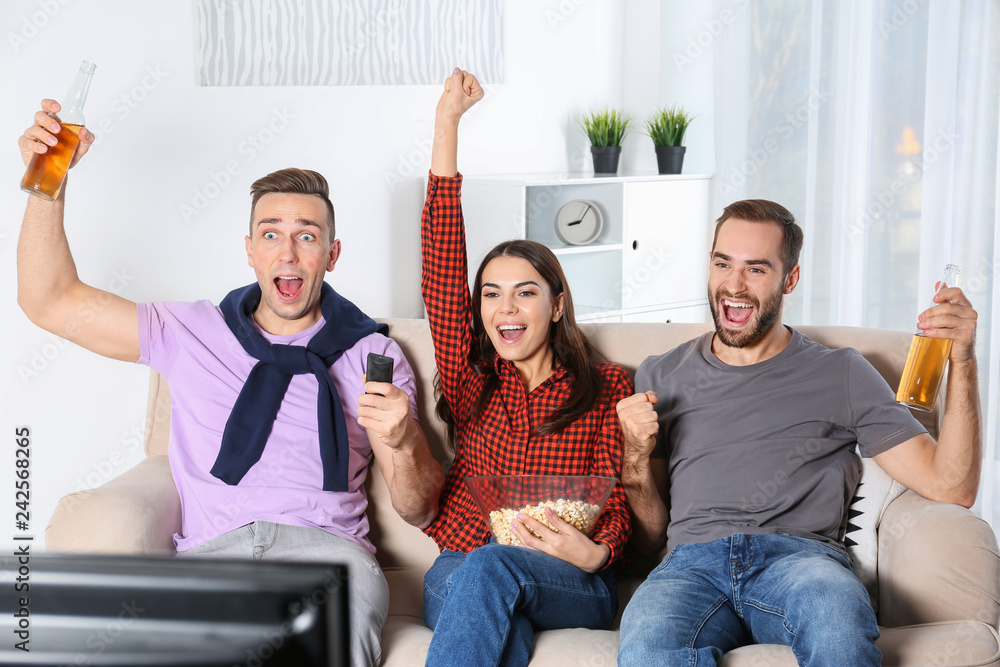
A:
x: 502, y: 441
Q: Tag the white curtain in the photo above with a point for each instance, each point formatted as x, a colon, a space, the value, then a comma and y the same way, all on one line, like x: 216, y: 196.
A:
x: 876, y: 123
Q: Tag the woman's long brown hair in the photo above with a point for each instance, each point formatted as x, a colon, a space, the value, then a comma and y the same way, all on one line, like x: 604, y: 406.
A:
x: 570, y: 347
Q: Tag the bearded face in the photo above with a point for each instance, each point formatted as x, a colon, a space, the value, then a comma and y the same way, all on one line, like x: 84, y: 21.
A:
x: 744, y: 320
x: 747, y: 282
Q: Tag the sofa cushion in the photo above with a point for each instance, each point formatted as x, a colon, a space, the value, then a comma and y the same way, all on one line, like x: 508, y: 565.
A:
x: 932, y: 571
x: 938, y: 562
x: 876, y: 489
x: 405, y: 640
x: 157, y: 415
x: 136, y: 512
x: 952, y: 643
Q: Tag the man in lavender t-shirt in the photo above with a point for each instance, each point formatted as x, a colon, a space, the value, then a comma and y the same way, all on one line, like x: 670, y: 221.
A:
x: 270, y: 503
x: 205, y: 366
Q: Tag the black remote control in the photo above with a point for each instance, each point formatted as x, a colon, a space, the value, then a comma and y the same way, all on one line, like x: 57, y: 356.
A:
x: 379, y: 368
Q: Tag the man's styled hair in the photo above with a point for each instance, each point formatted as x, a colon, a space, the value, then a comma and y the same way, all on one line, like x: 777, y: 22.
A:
x: 762, y: 210
x: 295, y: 182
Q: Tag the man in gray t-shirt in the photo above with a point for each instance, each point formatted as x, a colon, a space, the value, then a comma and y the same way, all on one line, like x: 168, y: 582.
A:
x: 778, y: 458
x: 739, y: 449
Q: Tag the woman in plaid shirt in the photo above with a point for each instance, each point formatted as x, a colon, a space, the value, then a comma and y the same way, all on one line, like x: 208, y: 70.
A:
x: 524, y: 392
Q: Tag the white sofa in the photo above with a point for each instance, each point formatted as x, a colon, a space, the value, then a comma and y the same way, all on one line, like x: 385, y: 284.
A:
x: 938, y: 565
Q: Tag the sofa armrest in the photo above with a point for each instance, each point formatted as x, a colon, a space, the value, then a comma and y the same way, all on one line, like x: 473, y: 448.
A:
x: 936, y: 562
x: 135, y: 513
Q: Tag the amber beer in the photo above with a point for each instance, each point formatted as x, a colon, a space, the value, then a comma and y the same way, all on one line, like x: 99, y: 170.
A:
x: 924, y: 371
x: 926, y: 362
x: 47, y: 171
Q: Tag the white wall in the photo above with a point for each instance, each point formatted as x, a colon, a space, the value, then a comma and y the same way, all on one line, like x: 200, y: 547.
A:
x: 688, y: 32
x: 166, y: 141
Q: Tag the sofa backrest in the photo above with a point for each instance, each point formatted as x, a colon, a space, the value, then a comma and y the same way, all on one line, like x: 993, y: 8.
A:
x: 403, y: 546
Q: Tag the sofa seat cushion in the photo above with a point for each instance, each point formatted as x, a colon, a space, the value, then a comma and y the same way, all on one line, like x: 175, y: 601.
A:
x: 407, y: 587
x: 405, y: 639
x: 930, y: 644
x: 948, y: 643
x: 136, y: 512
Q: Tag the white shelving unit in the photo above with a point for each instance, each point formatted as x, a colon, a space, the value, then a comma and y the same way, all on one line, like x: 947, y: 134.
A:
x: 650, y: 261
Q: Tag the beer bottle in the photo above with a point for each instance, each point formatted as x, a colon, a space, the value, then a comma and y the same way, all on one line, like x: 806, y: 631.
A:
x: 47, y: 171
x: 926, y: 362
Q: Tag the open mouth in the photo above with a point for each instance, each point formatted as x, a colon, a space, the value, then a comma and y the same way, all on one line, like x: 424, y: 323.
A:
x: 511, y: 332
x: 736, y: 313
x: 288, y: 287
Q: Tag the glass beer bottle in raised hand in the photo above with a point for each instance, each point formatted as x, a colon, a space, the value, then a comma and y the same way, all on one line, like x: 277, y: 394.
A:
x: 47, y: 171
x: 926, y: 362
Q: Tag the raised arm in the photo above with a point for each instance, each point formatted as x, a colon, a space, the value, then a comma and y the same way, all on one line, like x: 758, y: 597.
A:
x: 49, y: 291
x: 461, y: 91
x: 948, y: 470
x: 444, y: 275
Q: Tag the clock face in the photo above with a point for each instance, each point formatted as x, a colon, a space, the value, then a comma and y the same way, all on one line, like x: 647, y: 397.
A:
x: 579, y: 222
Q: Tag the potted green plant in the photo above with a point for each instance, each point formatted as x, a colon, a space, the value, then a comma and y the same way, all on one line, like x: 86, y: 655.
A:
x: 667, y: 127
x: 606, y: 129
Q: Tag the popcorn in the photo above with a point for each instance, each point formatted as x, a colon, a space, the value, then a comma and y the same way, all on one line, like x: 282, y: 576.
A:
x: 578, y: 513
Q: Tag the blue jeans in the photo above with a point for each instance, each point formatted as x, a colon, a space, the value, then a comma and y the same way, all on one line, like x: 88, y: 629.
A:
x: 485, y: 606
x: 706, y: 599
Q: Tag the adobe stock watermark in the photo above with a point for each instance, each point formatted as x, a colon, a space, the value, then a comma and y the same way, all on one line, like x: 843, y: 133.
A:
x: 705, y: 378
x: 601, y: 655
x: 220, y: 179
x: 764, y: 493
x: 899, y: 14
x: 562, y: 13
x: 542, y: 203
x: 409, y: 164
x: 655, y: 260
x: 41, y: 358
x: 34, y: 23
x: 383, y: 22
x: 417, y: 160
x: 944, y: 140
x: 125, y: 104
x: 304, y: 610
x: 712, y: 29
x: 985, y: 271
x: 129, y: 442
x: 247, y: 497
x: 915, y: 526
x: 101, y: 640
x: 785, y: 128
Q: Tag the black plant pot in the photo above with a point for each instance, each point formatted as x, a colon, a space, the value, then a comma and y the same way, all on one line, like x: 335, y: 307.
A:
x: 670, y: 159
x: 606, y: 159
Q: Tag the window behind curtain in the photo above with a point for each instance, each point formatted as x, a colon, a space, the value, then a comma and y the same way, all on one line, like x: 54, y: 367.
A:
x: 875, y: 122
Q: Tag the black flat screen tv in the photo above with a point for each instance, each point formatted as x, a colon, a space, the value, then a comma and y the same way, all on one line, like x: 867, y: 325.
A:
x: 158, y: 612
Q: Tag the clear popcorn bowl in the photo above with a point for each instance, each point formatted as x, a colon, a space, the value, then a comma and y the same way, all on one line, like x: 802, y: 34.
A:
x: 576, y: 499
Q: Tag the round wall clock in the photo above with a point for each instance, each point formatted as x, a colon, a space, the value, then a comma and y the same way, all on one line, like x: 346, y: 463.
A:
x: 579, y: 222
